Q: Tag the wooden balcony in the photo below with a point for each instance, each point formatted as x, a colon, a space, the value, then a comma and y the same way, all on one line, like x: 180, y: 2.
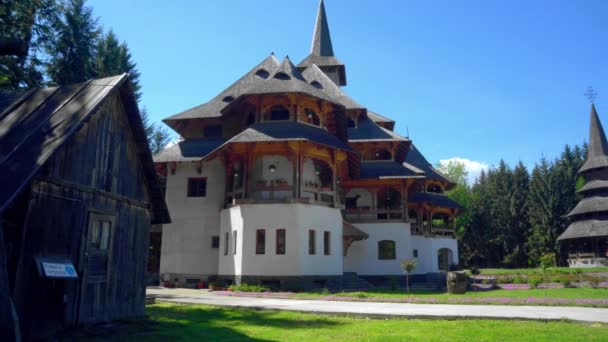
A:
x: 366, y: 214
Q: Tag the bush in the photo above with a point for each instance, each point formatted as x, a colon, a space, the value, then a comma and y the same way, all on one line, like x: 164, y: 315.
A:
x: 566, y: 283
x: 519, y: 280
x: 325, y: 291
x: 219, y: 284
x: 534, y: 282
x: 248, y: 288
x: 593, y: 281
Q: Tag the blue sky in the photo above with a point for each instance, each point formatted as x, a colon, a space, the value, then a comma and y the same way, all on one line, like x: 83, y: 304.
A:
x: 481, y: 80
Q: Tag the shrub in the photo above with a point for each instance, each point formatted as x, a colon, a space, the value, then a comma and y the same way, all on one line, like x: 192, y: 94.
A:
x: 566, y: 282
x: 474, y: 270
x: 534, y: 282
x: 519, y: 280
x: 360, y: 295
x: 593, y: 281
x: 219, y: 284
x: 547, y: 261
x: 248, y: 288
x: 325, y: 291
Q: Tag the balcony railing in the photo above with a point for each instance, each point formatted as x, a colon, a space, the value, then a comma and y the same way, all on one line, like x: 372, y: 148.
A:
x: 364, y: 214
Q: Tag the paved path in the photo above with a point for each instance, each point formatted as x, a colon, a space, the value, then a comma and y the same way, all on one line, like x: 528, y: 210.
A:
x: 377, y: 309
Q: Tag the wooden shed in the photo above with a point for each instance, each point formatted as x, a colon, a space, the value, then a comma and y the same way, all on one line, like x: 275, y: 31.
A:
x: 78, y: 193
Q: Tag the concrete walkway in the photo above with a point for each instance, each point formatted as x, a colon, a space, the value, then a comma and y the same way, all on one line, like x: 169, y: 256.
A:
x: 445, y: 311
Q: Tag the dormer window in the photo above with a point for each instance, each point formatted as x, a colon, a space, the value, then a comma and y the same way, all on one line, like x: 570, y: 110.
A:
x: 316, y: 85
x: 382, y: 154
x: 228, y: 99
x: 434, y: 188
x: 279, y: 113
x: 282, y: 76
x: 262, y: 73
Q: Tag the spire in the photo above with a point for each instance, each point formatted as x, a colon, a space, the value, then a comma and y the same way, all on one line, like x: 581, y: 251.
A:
x: 321, y: 39
x: 597, y: 154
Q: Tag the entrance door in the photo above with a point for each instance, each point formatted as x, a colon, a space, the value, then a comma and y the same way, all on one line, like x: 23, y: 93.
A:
x: 444, y: 259
x: 96, y: 272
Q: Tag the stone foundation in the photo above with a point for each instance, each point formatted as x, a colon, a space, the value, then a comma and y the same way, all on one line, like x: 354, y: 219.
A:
x: 287, y: 283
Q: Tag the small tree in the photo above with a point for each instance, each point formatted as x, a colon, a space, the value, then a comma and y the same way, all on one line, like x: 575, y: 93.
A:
x: 408, y: 265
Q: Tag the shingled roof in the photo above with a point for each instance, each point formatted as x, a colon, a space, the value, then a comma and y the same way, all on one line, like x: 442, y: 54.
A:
x: 416, y: 159
x: 387, y: 169
x: 436, y: 200
x: 368, y: 130
x: 314, y: 74
x: 188, y: 150
x: 587, y: 228
x: 285, y: 131
x: 590, y: 205
x: 287, y: 79
x: 37, y: 124
x: 214, y: 107
x: 597, y: 154
x: 321, y: 50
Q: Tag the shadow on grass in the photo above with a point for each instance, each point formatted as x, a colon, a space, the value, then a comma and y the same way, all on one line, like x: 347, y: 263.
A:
x: 175, y: 322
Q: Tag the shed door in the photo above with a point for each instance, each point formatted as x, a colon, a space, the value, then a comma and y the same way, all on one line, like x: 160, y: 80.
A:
x: 96, y: 273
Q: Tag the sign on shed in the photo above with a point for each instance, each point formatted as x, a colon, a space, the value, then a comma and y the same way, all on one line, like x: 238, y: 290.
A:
x: 56, y: 269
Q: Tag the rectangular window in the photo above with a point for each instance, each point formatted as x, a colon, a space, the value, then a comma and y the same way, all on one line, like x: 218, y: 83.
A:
x: 234, y: 243
x: 215, y: 241
x: 326, y: 243
x: 99, y: 236
x: 311, y: 242
x: 280, y: 247
x: 213, y: 131
x: 197, y: 187
x: 260, y: 241
x: 226, y: 243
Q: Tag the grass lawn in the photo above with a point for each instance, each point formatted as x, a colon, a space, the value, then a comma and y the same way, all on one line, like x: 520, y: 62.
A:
x: 536, y: 271
x: 551, y: 297
x: 173, y: 322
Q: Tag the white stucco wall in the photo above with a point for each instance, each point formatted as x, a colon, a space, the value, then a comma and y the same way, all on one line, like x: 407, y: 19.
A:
x: 362, y: 256
x: 296, y: 219
x: 186, y: 242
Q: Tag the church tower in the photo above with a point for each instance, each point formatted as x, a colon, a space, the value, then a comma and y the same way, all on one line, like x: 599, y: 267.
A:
x: 587, y: 235
x: 322, y: 51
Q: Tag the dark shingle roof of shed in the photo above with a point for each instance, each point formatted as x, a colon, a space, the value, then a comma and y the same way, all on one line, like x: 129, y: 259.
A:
x: 386, y: 169
x: 313, y: 73
x: 36, y: 125
x: 188, y: 150
x: 436, y: 200
x: 368, y: 130
x: 587, y: 228
x: 287, y: 131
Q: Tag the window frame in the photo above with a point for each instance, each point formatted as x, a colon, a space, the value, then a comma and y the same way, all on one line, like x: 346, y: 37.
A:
x: 381, y: 255
x: 214, y: 239
x: 326, y: 242
x: 312, y: 242
x: 226, y: 243
x: 260, y: 244
x: 280, y: 251
x: 192, y: 192
x: 234, y: 242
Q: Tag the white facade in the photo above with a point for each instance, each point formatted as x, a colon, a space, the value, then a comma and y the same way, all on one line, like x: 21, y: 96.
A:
x: 363, y: 256
x: 297, y: 219
x: 186, y: 248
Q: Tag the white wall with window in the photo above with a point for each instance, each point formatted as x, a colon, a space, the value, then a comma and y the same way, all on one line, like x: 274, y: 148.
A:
x: 291, y: 257
x: 187, y: 249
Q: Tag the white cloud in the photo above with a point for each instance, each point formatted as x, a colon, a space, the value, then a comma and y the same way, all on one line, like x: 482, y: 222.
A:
x: 473, y: 167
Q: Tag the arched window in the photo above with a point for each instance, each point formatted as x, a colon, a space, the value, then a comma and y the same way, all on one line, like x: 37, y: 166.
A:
x: 313, y: 118
x: 282, y: 76
x: 228, y: 99
x: 387, y: 250
x: 279, y: 113
x: 316, y: 84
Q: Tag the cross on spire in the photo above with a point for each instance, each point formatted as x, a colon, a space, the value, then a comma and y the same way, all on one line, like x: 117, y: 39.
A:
x: 590, y: 94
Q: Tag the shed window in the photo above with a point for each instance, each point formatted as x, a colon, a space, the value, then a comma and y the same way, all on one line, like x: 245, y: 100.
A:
x: 197, y: 187
x: 226, y: 243
x: 280, y: 242
x: 213, y: 131
x: 327, y: 243
x: 260, y: 241
x: 386, y: 250
x: 99, y: 236
x: 215, y: 241
x: 312, y: 242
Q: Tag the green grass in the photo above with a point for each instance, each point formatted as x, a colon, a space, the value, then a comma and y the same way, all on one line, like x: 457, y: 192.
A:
x: 173, y: 322
x: 536, y: 271
x: 566, y: 293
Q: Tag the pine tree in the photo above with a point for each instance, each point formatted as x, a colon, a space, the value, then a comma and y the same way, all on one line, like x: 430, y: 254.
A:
x: 75, y: 50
